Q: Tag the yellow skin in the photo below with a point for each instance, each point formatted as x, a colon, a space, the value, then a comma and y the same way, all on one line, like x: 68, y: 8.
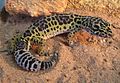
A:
x: 50, y: 26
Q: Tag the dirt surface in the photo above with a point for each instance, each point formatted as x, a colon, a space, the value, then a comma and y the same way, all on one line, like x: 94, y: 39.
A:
x: 92, y: 60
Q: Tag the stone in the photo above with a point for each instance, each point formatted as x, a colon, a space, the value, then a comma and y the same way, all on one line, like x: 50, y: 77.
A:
x: 35, y: 7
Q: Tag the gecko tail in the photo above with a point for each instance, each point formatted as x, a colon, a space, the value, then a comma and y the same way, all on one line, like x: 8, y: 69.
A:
x: 28, y: 62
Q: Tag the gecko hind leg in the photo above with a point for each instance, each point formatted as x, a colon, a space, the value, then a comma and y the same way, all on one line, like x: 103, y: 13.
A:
x: 41, y: 43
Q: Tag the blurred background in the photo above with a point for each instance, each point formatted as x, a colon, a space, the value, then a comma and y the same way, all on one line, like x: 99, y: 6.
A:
x: 2, y: 3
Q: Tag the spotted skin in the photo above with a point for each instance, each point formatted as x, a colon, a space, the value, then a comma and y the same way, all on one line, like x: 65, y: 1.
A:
x: 50, y: 26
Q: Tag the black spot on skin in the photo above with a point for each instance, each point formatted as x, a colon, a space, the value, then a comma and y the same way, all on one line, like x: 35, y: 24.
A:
x: 21, y: 51
x: 105, y: 32
x: 42, y: 65
x: 51, y: 28
x: 57, y: 19
x: 44, y: 21
x: 13, y: 38
x: 33, y: 31
x: 57, y: 27
x: 49, y: 64
x: 46, y: 26
x: 102, y: 25
x: 22, y: 57
x: 60, y: 28
x: 109, y: 35
x: 48, y: 30
x: 70, y: 27
x: 60, y: 23
x: 36, y: 30
x: 64, y: 21
x: 84, y: 21
x: 60, y: 17
x: 70, y: 20
x: 35, y: 66
x: 101, y: 30
x: 31, y: 62
x: 75, y: 19
x: 48, y: 19
x: 109, y: 30
x: 39, y: 29
x: 30, y: 26
x: 64, y: 27
x: 52, y: 23
x: 33, y: 27
x: 38, y: 34
x: 42, y: 24
x: 57, y: 30
x: 25, y: 64
x: 35, y: 40
x: 27, y: 33
x: 72, y: 24
x: 33, y: 69
x: 76, y: 15
x: 96, y: 26
x: 71, y: 16
x: 28, y: 39
x: 42, y: 35
x: 76, y: 26
x: 17, y: 39
x: 36, y: 24
x: 55, y: 22
x: 53, y: 18
x: 46, y: 66
x: 79, y: 22
x: 54, y: 28
x: 49, y: 24
x: 45, y: 32
x: 29, y: 58
x: 21, y: 37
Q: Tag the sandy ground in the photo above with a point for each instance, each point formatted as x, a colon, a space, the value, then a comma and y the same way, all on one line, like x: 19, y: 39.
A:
x: 93, y: 60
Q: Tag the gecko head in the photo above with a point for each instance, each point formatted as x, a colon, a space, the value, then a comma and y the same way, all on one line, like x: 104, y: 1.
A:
x: 102, y: 28
x: 14, y: 44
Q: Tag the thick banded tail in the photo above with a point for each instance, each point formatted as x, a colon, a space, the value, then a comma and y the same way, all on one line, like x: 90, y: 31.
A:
x: 28, y: 62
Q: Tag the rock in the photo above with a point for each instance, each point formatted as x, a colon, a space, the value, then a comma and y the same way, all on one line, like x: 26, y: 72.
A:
x: 109, y: 7
x: 35, y: 7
